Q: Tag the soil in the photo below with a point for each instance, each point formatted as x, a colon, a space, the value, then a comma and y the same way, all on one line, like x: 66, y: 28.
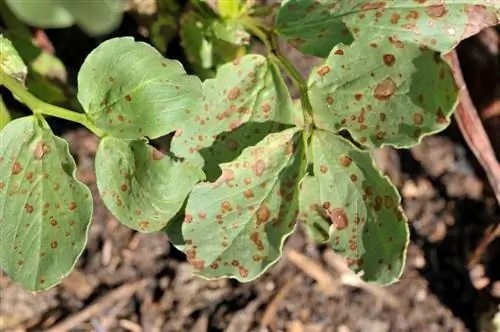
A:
x: 128, y: 281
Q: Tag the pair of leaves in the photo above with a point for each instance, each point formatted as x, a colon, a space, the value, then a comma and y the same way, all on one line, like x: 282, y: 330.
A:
x: 130, y: 91
x: 94, y: 17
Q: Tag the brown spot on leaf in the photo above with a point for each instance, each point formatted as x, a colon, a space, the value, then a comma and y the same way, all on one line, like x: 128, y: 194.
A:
x: 323, y: 70
x: 53, y: 221
x: 243, y: 272
x: 339, y: 219
x: 339, y: 52
x: 16, y: 168
x: 41, y: 150
x: 143, y: 224
x: 389, y: 60
x: 385, y: 89
x: 123, y: 187
x: 128, y: 98
x: 259, y: 167
x: 263, y: 215
x: 255, y: 239
x: 188, y: 218
x: 418, y: 119
x: 345, y: 161
x: 28, y: 208
x: 436, y: 11
x: 53, y: 244
x: 248, y: 193
x: 354, y: 178
x: 233, y: 93
x: 72, y: 206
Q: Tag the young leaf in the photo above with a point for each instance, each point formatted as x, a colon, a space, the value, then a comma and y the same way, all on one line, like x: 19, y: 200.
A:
x: 249, y: 89
x: 11, y: 63
x: 4, y: 114
x: 204, y: 41
x: 236, y: 226
x: 315, y: 26
x: 142, y: 187
x: 94, y: 17
x: 350, y: 203
x: 229, y: 9
x: 45, y: 211
x: 130, y: 90
x: 382, y: 93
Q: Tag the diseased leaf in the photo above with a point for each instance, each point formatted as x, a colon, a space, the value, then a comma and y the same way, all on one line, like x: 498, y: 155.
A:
x: 250, y: 89
x: 45, y: 211
x: 142, y: 187
x: 315, y: 26
x: 384, y: 94
x: 130, y: 90
x: 4, y: 114
x: 11, y: 63
x: 350, y: 203
x: 94, y: 17
x: 236, y: 226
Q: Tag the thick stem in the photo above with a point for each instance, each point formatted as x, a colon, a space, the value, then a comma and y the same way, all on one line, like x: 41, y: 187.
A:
x: 38, y: 106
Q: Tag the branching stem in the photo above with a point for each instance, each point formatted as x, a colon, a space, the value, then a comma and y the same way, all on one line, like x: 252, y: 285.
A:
x: 270, y: 40
x: 38, y: 106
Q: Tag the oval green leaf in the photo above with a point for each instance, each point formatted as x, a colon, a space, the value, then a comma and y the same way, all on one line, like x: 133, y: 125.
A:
x: 11, y: 63
x: 236, y: 226
x: 94, y: 17
x: 249, y: 89
x: 315, y: 26
x: 357, y: 209
x: 384, y: 93
x: 142, y: 187
x: 45, y: 211
x: 129, y: 90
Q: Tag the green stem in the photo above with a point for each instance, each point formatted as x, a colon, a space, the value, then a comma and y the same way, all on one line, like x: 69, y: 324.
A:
x: 270, y: 40
x: 38, y: 106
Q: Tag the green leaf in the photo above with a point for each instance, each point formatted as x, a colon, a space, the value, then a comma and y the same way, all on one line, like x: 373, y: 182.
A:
x: 45, y: 211
x: 93, y: 17
x: 231, y: 31
x: 142, y: 187
x: 209, y: 43
x: 236, y: 226
x: 229, y: 9
x: 250, y: 89
x: 4, y: 114
x: 315, y: 26
x: 11, y: 63
x: 382, y: 93
x: 130, y: 90
x: 351, y: 204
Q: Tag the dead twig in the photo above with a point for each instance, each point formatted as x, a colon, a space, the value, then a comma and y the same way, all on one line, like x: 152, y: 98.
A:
x: 491, y: 233
x: 272, y: 308
x: 472, y: 129
x: 98, y: 306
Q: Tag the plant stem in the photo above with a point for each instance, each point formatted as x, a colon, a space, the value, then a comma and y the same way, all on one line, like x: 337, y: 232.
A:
x: 270, y: 40
x: 38, y: 106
